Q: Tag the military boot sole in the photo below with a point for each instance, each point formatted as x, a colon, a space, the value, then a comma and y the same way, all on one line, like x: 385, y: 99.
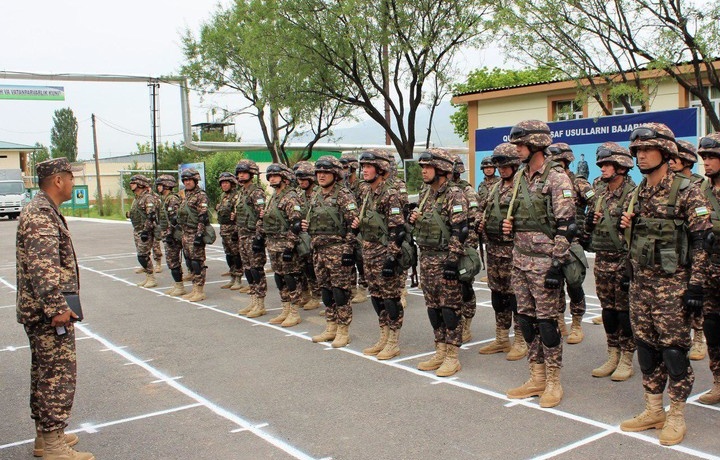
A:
x: 257, y: 313
x: 615, y: 377
x: 372, y: 351
x: 278, y: 319
x: 290, y: 322
x: 323, y: 338
x: 429, y: 365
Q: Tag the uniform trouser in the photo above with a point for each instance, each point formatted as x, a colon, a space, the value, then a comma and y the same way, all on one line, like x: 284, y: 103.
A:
x: 358, y: 269
x: 499, y: 273
x: 335, y: 280
x: 173, y: 253
x: 660, y: 324
x: 308, y: 278
x: 157, y: 249
x: 292, y: 291
x: 711, y: 310
x: 615, y: 303
x: 541, y: 308
x: 231, y: 246
x: 255, y: 263
x: 443, y: 299
x: 384, y: 288
x: 52, y: 375
x: 143, y: 251
x: 196, y: 255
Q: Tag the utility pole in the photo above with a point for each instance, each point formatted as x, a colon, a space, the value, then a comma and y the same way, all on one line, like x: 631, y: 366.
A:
x: 97, y: 167
x: 154, y: 87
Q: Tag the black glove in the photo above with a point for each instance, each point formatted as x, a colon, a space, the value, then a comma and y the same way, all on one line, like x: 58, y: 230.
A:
x: 144, y: 236
x: 590, y: 222
x: 554, y: 277
x: 625, y: 283
x: 450, y: 270
x: 234, y: 237
x: 693, y: 300
x: 198, y: 241
x: 287, y: 255
x: 258, y: 244
x: 169, y: 239
x: 348, y: 260
x: 388, y: 270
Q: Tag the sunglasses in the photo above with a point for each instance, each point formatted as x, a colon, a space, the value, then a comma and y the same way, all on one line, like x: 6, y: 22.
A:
x: 646, y: 134
x: 557, y: 150
x: 517, y: 132
x: 427, y: 156
x: 709, y: 143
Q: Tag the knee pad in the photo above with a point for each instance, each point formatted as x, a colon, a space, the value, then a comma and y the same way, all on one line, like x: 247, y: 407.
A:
x: 711, y: 326
x: 676, y: 361
x: 341, y: 296
x: 230, y: 260
x: 176, y: 274
x: 377, y: 304
x: 196, y: 266
x: 549, y: 332
x: 451, y: 318
x: 143, y: 261
x: 624, y: 322
x: 249, y: 276
x: 611, y: 321
x: 496, y: 300
x: 436, y: 317
x: 467, y: 291
x: 528, y: 327
x: 290, y: 281
x: 327, y: 297
x: 393, y: 308
x: 648, y: 357
x: 279, y: 281
x: 237, y: 261
x: 576, y: 293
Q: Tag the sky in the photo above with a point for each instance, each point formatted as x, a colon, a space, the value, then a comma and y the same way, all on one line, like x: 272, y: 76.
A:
x: 133, y: 37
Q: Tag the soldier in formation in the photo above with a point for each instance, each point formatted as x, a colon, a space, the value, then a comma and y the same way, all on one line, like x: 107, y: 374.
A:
x: 229, y: 231
x: 305, y: 176
x: 143, y: 216
x: 167, y: 221
x: 192, y: 217
x: 353, y: 182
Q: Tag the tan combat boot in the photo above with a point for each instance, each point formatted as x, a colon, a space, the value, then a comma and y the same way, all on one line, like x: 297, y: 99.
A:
x: 150, y: 281
x: 699, y: 348
x: 283, y: 314
x: 392, y: 349
x: 229, y: 284
x: 188, y: 277
x: 199, y: 294
x: 359, y: 295
x: 501, y: 344
x: 380, y: 344
x: 328, y: 334
x: 250, y: 306
x: 597, y: 320
x: 466, y: 332
x: 55, y: 448
x: 576, y: 332
x: 238, y: 284
x: 519, y: 348
x: 624, y: 368
x: 403, y: 298
x: 342, y: 338
x: 143, y: 282
x: 435, y: 360
x: 178, y: 290
x: 245, y: 289
x: 259, y: 308
x: 553, y: 393
x: 451, y: 363
x: 139, y: 270
x: 652, y: 417
x: 712, y: 396
x: 609, y: 366
x: 312, y: 303
x: 535, y: 385
x: 674, y: 429
x: 227, y: 273
x: 158, y: 266
x: 39, y: 447
x: 293, y: 317
x: 190, y: 294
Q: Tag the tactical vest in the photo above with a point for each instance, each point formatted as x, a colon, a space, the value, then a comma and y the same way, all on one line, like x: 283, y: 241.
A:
x: 225, y: 209
x: 533, y: 212
x: 431, y: 232
x: 274, y: 221
x: 495, y: 213
x: 187, y: 216
x: 163, y: 218
x: 138, y: 217
x: 325, y: 218
x: 605, y: 236
x: 661, y: 241
x: 713, y: 249
x: 373, y: 225
x: 245, y: 215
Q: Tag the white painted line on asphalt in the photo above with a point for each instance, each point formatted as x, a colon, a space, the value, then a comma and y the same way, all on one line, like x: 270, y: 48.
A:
x: 169, y: 379
x: 7, y: 283
x: 9, y: 306
x: 240, y: 430
x: 110, y: 349
x: 133, y: 364
x: 574, y: 445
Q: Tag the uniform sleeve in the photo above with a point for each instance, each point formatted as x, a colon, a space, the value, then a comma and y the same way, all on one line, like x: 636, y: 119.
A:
x: 563, y: 205
x: 349, y: 209
x: 394, y: 215
x: 202, y: 210
x: 258, y: 203
x: 457, y: 209
x: 697, y: 209
x: 151, y: 209
x: 293, y: 210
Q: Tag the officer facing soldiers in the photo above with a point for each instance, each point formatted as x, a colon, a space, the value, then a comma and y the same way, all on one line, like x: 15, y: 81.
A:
x: 167, y: 221
x: 441, y: 229
x: 542, y: 217
x: 562, y: 154
x: 332, y: 210
x: 499, y: 257
x: 192, y: 219
x: 250, y: 203
x: 280, y: 227
x: 143, y: 215
x: 709, y: 150
x: 666, y: 221
x: 610, y: 249
x: 382, y: 226
x: 683, y: 164
x: 305, y: 176
x: 353, y: 182
x: 228, y: 230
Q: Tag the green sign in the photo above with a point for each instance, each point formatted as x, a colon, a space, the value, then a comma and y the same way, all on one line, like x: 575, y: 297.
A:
x: 79, y: 198
x: 32, y: 93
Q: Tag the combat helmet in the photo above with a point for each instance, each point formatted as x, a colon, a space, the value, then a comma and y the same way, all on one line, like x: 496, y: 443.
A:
x: 140, y: 180
x: 561, y: 152
x: 459, y: 165
x: 439, y: 159
x: 379, y: 158
x: 166, y: 180
x: 533, y: 133
x: 190, y: 173
x: 279, y: 169
x: 329, y: 163
x: 709, y: 145
x: 249, y: 166
x: 349, y: 160
x: 610, y: 152
x: 504, y: 155
x: 687, y: 151
x: 654, y: 135
x: 227, y: 177
x: 487, y: 162
x: 304, y: 170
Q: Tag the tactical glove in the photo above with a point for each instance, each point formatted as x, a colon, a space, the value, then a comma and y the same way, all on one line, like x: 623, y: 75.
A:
x: 625, y: 283
x: 258, y: 244
x: 589, y: 221
x: 450, y: 270
x: 554, y: 277
x: 144, y: 236
x: 348, y: 260
x: 198, y: 241
x: 388, y: 270
x: 693, y: 300
x: 287, y: 255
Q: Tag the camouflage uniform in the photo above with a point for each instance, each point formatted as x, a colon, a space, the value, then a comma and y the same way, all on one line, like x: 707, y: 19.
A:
x: 157, y: 244
x: 228, y: 229
x: 354, y: 183
x: 143, y: 215
x: 306, y: 170
x: 192, y: 218
x: 167, y: 221
x: 486, y: 185
x: 250, y: 202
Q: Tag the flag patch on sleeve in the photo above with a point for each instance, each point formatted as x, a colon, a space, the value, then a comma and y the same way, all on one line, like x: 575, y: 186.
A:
x: 260, y: 201
x: 351, y: 207
x: 473, y: 204
x: 457, y: 208
x: 567, y: 193
x: 394, y: 211
x: 702, y: 211
x: 297, y: 208
x: 590, y: 194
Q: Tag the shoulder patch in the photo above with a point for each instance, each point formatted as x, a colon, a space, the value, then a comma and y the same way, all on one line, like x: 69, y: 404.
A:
x: 567, y: 193
x: 260, y: 201
x: 473, y: 204
x: 701, y: 211
x: 351, y: 207
x: 589, y: 194
x: 403, y: 190
x: 457, y: 208
x: 297, y: 208
x: 394, y: 211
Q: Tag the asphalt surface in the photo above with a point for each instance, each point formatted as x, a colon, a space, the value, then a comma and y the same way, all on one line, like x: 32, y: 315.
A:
x: 162, y: 378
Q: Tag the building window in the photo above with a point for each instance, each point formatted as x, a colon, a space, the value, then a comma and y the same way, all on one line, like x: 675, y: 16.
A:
x: 566, y: 110
x: 619, y: 109
x: 705, y: 127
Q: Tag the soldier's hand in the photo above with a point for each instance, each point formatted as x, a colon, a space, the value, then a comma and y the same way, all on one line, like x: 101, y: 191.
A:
x: 554, y: 277
x: 287, y: 255
x: 258, y: 244
x: 304, y: 225
x: 262, y: 213
x: 127, y: 214
x: 347, y: 260
x: 625, y: 283
x: 63, y: 319
x: 626, y: 220
x: 507, y: 226
x: 693, y: 300
x: 388, y: 270
x: 198, y: 241
x: 144, y: 236
x: 355, y: 223
x: 232, y: 216
x: 413, y: 217
x: 450, y: 270
x: 590, y: 221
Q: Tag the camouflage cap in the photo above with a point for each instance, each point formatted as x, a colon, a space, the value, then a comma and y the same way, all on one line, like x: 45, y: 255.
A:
x: 709, y: 145
x: 610, y: 152
x: 687, y: 151
x: 487, y: 162
x: 227, y: 177
x: 379, y: 158
x: 505, y: 154
x: 653, y: 135
x: 535, y: 133
x: 459, y: 166
x: 140, y: 180
x: 166, y: 180
x: 279, y: 170
x: 247, y: 166
x: 560, y: 151
x: 304, y: 170
x: 440, y: 159
x: 54, y: 166
x: 350, y: 160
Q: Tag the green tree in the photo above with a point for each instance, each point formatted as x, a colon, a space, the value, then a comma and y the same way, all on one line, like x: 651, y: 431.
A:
x: 483, y: 79
x: 170, y: 156
x: 214, y: 165
x: 63, y: 135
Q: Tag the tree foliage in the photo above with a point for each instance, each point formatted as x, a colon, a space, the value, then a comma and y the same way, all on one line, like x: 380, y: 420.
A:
x: 216, y: 164
x: 40, y: 154
x: 63, y: 135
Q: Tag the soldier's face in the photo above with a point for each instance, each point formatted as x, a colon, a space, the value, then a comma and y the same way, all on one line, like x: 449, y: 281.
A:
x: 188, y: 183
x: 506, y: 172
x: 489, y: 171
x: 66, y: 185
x: 607, y: 171
x: 304, y: 183
x: 274, y: 180
x: 648, y: 157
x: 428, y: 174
x: 133, y: 186
x: 325, y: 178
x: 369, y: 172
x: 243, y: 176
x: 676, y: 165
x: 225, y: 186
x: 523, y: 151
x: 712, y: 165
x: 159, y: 188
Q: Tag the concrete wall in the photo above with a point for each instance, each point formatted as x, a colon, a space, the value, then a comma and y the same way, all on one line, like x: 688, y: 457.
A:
x: 9, y: 159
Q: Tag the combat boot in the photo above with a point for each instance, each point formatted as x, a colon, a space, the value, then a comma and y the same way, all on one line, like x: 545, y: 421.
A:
x: 283, y: 314
x: 312, y: 303
x: 238, y: 284
x: 535, y: 385
x: 576, y: 332
x: 249, y: 307
x: 158, y: 266
x: 392, y: 349
x: 199, y: 294
x: 328, y: 334
x: 177, y: 290
x: 451, y: 363
x: 674, y: 429
x: 466, y: 332
x: 342, y: 337
x: 597, y: 320
x: 227, y: 273
x: 39, y: 447
x: 609, y: 366
x: 562, y: 326
x: 191, y: 294
x: 293, y: 317
x: 624, y: 368
x: 150, y: 281
x: 699, y: 348
x: 259, y: 308
x: 712, y: 396
x: 435, y: 360
x: 380, y: 344
x: 229, y: 284
x: 359, y: 295
x: 519, y: 348
x: 403, y: 298
x: 143, y: 282
x: 652, y: 417
x: 553, y: 393
x: 244, y: 288
x: 139, y: 270
x: 188, y: 277
x: 501, y: 344
x: 55, y: 448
